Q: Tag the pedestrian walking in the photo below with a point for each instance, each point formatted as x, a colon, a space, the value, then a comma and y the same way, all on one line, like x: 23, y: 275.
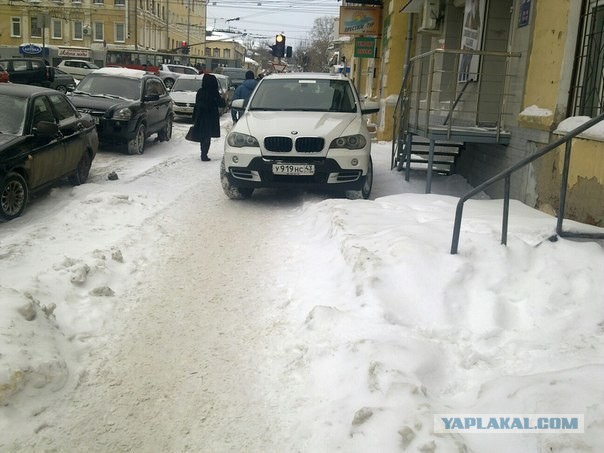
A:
x: 206, y: 116
x: 244, y: 91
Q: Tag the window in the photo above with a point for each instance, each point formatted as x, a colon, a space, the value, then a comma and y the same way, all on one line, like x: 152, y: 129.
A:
x: 98, y: 2
x: 99, y: 31
x: 62, y: 107
x: 588, y: 83
x: 216, y: 53
x: 36, y: 29
x: 120, y: 3
x: 78, y: 30
x: 15, y: 27
x: 120, y: 32
x: 227, y: 53
x: 57, y: 29
x: 208, y: 52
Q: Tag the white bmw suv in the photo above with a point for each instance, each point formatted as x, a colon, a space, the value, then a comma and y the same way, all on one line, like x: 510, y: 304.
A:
x: 303, y: 130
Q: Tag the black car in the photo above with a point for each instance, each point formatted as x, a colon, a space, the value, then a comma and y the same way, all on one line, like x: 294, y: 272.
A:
x: 43, y: 138
x: 63, y: 82
x: 29, y: 71
x: 127, y: 105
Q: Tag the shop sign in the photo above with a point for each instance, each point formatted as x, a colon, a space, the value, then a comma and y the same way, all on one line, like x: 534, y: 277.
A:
x: 359, y: 21
x: 364, y: 47
x: 73, y: 53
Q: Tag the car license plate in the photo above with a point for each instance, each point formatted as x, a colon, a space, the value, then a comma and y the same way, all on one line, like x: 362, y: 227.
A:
x: 293, y: 169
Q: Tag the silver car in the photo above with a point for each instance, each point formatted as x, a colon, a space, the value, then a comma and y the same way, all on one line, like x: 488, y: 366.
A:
x: 170, y: 72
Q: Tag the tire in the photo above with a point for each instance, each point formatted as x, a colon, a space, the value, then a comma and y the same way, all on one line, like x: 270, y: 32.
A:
x: 137, y: 144
x: 166, y: 133
x: 233, y: 192
x: 61, y: 89
x: 366, y: 190
x: 82, y: 171
x: 169, y: 83
x: 13, y: 196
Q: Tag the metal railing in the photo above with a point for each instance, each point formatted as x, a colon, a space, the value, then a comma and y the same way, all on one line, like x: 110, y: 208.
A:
x: 506, y: 175
x: 439, y: 79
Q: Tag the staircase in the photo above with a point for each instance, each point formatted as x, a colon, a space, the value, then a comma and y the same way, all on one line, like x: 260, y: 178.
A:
x: 445, y: 155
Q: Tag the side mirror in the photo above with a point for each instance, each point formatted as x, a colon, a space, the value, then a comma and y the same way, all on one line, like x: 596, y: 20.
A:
x: 369, y: 107
x: 238, y: 104
x: 46, y: 129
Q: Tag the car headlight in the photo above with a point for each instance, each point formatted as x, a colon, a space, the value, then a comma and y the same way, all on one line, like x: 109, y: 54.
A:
x: 122, y: 114
x: 356, y: 141
x: 239, y: 140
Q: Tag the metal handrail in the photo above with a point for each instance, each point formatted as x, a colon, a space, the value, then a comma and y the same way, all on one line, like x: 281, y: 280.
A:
x: 506, y: 175
x: 398, y: 115
x: 426, y: 94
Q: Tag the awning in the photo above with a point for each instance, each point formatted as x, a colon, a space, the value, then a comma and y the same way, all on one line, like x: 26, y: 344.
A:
x: 412, y: 6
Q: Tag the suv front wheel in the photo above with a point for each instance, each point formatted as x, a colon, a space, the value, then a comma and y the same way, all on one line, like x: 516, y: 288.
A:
x: 166, y: 133
x: 366, y: 190
x: 137, y: 144
x: 231, y: 191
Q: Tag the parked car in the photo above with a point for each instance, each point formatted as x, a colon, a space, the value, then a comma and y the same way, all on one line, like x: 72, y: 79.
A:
x: 227, y: 90
x: 170, y: 72
x: 4, y: 76
x: 63, y: 82
x: 237, y: 75
x: 301, y: 130
x: 29, y: 71
x: 185, y: 89
x: 43, y: 138
x: 127, y: 105
x: 78, y: 68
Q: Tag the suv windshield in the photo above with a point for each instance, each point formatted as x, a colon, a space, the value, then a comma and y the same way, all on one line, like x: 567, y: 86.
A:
x: 102, y: 85
x: 317, y: 95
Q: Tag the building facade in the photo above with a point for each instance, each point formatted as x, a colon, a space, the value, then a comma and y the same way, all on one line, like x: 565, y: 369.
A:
x: 85, y: 29
x: 500, y: 77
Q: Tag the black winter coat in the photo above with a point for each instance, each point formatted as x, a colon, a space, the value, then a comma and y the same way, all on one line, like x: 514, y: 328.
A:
x: 206, y: 116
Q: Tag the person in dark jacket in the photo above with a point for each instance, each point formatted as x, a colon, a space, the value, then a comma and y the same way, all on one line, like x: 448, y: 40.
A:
x: 244, y: 91
x: 206, y: 116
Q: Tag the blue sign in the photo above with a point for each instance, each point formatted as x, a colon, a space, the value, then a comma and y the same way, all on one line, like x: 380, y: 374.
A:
x: 524, y: 13
x: 32, y: 49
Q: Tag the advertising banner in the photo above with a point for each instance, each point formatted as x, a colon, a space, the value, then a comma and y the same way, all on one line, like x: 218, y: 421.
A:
x: 360, y: 21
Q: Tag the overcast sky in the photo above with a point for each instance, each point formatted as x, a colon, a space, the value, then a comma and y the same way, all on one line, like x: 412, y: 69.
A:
x: 266, y: 18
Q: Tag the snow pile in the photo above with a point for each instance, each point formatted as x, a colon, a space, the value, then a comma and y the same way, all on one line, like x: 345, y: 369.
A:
x: 395, y: 330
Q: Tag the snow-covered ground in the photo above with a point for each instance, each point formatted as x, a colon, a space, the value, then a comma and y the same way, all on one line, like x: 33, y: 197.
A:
x: 350, y: 321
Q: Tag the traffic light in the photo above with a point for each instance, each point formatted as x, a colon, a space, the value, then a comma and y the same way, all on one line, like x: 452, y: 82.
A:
x: 184, y: 47
x: 279, y: 47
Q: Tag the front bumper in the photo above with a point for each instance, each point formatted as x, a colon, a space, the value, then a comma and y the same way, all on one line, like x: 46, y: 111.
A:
x: 115, y: 131
x: 328, y: 173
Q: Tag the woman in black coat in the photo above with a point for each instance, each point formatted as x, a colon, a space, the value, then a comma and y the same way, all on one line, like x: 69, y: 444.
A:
x: 206, y: 116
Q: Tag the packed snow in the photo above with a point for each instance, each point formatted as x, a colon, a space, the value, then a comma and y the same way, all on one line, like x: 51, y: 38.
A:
x: 376, y: 326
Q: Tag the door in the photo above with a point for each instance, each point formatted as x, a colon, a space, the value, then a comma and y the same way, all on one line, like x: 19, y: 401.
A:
x: 157, y: 109
x: 47, y: 153
x: 493, y: 69
x: 72, y: 130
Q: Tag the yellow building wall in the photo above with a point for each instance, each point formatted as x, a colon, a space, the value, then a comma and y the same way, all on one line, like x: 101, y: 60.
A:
x: 390, y: 69
x: 545, y: 61
x: 585, y: 189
